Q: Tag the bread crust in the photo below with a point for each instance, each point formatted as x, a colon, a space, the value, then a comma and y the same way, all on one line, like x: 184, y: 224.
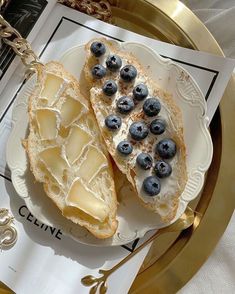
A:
x: 34, y: 145
x: 167, y: 210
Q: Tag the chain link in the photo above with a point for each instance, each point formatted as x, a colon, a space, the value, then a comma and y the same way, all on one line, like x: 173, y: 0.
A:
x: 2, y: 3
x: 100, y: 9
x: 21, y: 46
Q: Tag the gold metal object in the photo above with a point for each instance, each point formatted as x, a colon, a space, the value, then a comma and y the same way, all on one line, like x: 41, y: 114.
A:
x: 99, y: 9
x: 8, y: 232
x: 184, y: 222
x: 3, y: 4
x: 21, y: 46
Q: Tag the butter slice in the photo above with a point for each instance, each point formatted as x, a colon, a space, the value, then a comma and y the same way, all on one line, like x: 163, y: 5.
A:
x: 53, y: 161
x: 70, y: 111
x: 47, y: 123
x: 77, y: 141
x: 80, y: 197
x: 51, y: 88
x: 92, y: 163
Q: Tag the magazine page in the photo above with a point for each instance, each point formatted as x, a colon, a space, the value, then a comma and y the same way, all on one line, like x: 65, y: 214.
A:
x: 27, y: 17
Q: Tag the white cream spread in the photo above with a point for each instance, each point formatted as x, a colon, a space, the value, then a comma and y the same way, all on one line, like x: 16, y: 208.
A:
x: 168, y: 185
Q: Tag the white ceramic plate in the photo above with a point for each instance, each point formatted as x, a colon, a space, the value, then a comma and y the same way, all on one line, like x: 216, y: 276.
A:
x: 189, y: 98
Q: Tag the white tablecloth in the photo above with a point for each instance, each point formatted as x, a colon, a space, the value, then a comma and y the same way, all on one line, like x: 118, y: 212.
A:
x: 219, y: 17
x: 217, y: 275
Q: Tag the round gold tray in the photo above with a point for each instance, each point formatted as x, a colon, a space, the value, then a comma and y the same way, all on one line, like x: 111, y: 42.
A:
x: 174, y: 259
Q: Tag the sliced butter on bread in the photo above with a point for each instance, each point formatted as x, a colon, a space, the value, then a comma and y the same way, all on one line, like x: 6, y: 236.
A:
x: 166, y: 202
x: 67, y: 153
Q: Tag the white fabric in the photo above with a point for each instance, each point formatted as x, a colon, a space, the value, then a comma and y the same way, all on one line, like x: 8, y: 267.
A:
x: 219, y: 17
x: 217, y: 275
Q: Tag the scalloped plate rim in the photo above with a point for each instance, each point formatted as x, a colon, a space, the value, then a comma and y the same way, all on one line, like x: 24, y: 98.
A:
x: 142, y: 232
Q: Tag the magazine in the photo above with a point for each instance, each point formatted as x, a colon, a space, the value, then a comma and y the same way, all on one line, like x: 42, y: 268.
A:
x: 27, y: 17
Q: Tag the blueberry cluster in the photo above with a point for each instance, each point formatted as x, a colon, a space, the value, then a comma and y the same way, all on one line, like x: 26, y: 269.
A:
x: 166, y: 149
x: 113, y: 63
x: 139, y: 130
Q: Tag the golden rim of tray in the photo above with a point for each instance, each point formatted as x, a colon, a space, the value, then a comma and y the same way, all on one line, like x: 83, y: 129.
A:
x: 164, y: 269
x: 174, y: 259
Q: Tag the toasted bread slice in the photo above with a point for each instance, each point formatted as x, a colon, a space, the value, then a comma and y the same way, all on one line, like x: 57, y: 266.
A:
x: 166, y: 202
x: 67, y: 153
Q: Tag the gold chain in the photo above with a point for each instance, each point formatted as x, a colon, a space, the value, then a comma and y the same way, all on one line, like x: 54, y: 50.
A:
x: 100, y: 9
x: 2, y: 3
x: 21, y: 46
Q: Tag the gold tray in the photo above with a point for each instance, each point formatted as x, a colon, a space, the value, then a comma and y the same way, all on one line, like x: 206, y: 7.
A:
x: 174, y: 259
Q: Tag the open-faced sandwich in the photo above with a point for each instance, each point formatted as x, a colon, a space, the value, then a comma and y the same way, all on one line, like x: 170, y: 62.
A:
x: 140, y: 123
x: 67, y: 153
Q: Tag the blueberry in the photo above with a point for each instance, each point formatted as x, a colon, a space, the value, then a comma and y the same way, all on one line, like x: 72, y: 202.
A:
x: 128, y: 73
x: 162, y: 169
x: 97, y: 49
x: 125, y: 105
x: 109, y: 88
x: 138, y: 131
x: 152, y: 185
x: 113, y: 62
x: 144, y: 160
x: 125, y: 148
x: 140, y: 92
x: 113, y: 122
x: 98, y: 71
x: 151, y: 107
x: 157, y: 126
x: 166, y: 148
